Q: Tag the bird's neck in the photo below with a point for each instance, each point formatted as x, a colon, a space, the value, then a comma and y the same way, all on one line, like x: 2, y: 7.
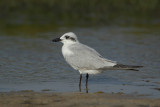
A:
x: 66, y: 44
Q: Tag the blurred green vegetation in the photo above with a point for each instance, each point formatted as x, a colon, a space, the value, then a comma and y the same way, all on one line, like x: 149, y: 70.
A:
x: 29, y: 14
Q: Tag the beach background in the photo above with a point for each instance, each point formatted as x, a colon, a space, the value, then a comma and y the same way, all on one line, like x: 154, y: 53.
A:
x: 33, y: 68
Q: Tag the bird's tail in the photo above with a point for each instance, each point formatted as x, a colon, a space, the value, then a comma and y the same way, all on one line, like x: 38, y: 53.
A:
x: 126, y: 67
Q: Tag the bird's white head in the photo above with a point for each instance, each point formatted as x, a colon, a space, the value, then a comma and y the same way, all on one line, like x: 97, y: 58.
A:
x: 69, y: 38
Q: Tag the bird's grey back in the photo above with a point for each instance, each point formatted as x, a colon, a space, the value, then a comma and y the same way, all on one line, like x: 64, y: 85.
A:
x: 86, y: 58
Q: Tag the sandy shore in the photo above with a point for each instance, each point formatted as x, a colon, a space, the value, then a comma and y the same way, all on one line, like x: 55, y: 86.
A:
x: 37, y: 99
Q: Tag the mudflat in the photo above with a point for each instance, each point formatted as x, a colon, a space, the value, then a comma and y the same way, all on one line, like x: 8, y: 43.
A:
x: 74, y: 99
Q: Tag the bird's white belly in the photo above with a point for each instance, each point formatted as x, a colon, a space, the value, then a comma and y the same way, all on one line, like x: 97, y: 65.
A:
x: 90, y: 71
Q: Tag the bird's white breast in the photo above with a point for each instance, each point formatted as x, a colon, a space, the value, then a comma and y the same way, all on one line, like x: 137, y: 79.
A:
x: 66, y: 50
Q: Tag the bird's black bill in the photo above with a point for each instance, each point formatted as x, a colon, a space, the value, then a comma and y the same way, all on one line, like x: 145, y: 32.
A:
x: 56, y: 40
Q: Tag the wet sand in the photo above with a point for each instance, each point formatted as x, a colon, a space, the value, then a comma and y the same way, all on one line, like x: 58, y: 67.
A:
x: 42, y: 99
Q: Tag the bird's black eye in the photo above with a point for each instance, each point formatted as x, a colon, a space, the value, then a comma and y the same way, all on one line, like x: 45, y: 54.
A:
x: 66, y: 37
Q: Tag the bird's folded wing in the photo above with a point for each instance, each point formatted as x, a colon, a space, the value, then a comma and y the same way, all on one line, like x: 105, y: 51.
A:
x: 86, y: 58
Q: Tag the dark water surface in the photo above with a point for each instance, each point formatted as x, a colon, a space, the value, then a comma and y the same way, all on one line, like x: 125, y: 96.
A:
x: 28, y: 63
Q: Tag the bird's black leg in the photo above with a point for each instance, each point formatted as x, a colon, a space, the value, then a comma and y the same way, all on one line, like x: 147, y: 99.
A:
x: 80, y: 82
x: 87, y: 76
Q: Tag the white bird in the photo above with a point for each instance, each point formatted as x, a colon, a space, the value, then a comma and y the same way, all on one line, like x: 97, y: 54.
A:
x: 85, y: 59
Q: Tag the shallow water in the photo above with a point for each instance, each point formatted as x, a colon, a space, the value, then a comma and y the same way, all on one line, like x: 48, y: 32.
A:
x: 28, y: 63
